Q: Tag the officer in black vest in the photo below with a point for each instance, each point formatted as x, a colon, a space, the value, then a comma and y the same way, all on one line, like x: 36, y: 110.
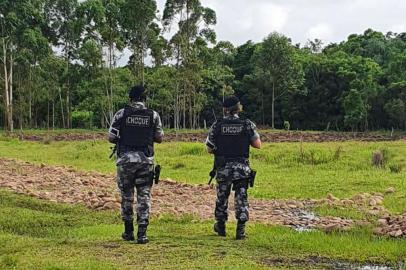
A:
x: 135, y: 129
x: 229, y: 140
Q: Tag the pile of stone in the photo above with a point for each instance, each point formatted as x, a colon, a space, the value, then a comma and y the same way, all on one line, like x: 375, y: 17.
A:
x: 392, y: 226
x: 98, y: 191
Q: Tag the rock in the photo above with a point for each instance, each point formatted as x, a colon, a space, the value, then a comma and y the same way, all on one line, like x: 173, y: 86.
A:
x: 373, y: 212
x: 358, y: 197
x: 396, y: 233
x: 390, y: 190
x: 379, y: 231
x: 382, y: 222
x: 109, y: 199
x: 347, y: 202
x: 299, y: 204
x: 331, y: 227
x: 331, y: 197
x: 109, y: 206
x: 372, y: 202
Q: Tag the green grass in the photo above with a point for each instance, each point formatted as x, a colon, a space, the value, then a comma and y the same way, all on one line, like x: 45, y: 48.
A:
x: 36, y: 234
x: 285, y: 170
x: 343, y: 212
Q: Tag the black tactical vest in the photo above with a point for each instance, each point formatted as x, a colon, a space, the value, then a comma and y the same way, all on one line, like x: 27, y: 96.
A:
x: 232, y: 139
x: 137, y: 131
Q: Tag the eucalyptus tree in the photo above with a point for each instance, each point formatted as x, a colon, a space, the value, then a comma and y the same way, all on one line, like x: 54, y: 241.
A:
x: 194, y: 32
x: 22, y: 26
x: 67, y: 24
x: 277, y: 70
x: 137, y: 22
x: 102, y: 19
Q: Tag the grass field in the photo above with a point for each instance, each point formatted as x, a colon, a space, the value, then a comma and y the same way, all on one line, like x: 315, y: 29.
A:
x: 36, y: 234
x: 39, y: 234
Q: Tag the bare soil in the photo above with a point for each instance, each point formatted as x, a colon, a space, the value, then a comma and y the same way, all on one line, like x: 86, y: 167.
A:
x: 98, y: 191
x: 293, y: 136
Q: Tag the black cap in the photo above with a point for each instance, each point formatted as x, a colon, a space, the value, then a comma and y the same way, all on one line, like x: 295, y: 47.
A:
x: 136, y: 92
x: 230, y: 101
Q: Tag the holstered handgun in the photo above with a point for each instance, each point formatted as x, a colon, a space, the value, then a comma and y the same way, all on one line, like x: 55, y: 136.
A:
x: 252, y: 178
x: 212, y: 174
x: 113, y: 151
x: 157, y: 173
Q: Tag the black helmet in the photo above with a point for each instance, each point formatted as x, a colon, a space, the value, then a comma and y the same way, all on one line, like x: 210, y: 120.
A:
x: 136, y: 92
x: 231, y: 101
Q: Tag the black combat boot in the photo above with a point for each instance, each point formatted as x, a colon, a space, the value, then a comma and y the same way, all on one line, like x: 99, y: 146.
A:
x: 142, y: 235
x: 220, y: 228
x: 128, y: 234
x: 240, y: 234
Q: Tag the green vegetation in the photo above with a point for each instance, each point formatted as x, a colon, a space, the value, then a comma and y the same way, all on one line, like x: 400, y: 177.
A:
x: 285, y: 170
x: 44, y: 235
x: 356, y: 84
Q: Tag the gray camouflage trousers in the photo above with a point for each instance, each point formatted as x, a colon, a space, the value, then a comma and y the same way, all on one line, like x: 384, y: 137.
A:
x: 240, y: 200
x: 131, y: 177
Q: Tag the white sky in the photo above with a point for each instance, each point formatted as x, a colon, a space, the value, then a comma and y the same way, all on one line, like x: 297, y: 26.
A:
x: 329, y: 20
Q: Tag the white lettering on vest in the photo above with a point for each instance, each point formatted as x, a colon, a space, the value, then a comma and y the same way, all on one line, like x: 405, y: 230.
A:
x: 138, y: 121
x: 231, y: 129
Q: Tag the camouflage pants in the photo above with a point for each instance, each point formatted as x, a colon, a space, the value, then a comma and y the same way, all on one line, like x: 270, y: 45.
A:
x: 240, y: 200
x: 131, y: 176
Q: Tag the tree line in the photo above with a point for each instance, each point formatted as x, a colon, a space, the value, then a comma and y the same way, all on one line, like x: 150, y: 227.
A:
x: 58, y: 61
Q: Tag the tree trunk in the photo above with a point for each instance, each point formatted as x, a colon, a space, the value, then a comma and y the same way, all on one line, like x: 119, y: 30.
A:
x: 68, y: 113
x: 273, y: 105
x: 62, y: 112
x: 53, y: 114
x: 262, y: 107
x: 30, y: 104
x: 6, y: 81
x: 10, y: 104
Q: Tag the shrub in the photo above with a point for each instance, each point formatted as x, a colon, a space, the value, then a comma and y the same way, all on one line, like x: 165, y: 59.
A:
x: 82, y: 119
x: 395, y: 168
x: 378, y: 158
x: 337, y: 153
x: 286, y: 125
x: 381, y: 157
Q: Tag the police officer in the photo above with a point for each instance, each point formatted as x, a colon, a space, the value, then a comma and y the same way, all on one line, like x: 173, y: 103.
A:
x: 135, y: 129
x: 229, y: 140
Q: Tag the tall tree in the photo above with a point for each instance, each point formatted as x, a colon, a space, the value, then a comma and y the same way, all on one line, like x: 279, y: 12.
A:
x: 22, y: 25
x: 277, y: 70
x: 64, y: 19
x: 137, y: 20
x: 194, y: 33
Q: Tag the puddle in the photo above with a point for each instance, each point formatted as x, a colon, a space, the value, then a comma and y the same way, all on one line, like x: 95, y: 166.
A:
x: 303, y: 229
x: 346, y: 266
x: 325, y: 263
x: 307, y: 220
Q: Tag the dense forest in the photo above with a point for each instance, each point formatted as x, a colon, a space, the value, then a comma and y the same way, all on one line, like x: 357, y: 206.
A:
x: 59, y: 69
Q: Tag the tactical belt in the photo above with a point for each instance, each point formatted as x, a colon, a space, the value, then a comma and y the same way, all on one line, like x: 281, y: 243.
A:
x: 239, y: 159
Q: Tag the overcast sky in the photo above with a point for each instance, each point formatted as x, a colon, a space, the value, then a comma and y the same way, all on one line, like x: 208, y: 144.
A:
x: 329, y: 20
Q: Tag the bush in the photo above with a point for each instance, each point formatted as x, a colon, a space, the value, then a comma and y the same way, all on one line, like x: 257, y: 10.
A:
x: 395, y: 168
x: 286, y: 125
x: 82, y: 119
x: 380, y: 158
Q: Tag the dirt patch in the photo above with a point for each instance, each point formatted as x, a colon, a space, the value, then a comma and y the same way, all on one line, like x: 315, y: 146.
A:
x: 315, y: 262
x: 293, y: 136
x: 62, y: 137
x: 98, y: 191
